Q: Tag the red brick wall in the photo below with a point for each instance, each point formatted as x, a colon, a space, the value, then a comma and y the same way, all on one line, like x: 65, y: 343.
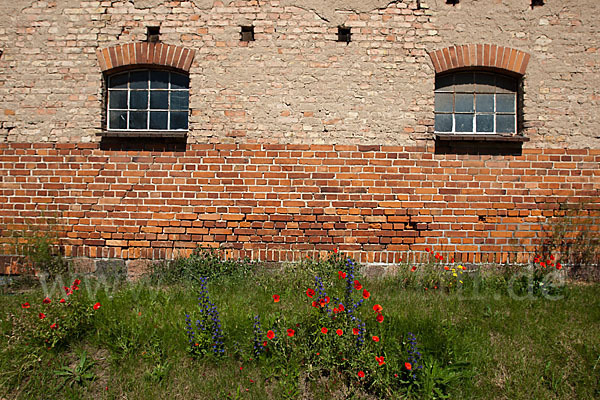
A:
x: 282, y: 202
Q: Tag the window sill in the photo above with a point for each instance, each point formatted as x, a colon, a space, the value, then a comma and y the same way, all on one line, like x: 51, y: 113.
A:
x: 480, y: 137
x: 152, y: 134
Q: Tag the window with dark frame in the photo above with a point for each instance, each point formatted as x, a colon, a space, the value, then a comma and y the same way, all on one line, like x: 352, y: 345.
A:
x: 476, y: 102
x: 247, y: 34
x: 344, y: 34
x: 148, y: 100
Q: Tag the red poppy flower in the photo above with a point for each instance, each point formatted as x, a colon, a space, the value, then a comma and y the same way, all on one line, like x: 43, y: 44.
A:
x: 341, y: 275
x: 335, y: 250
x: 25, y: 305
x: 42, y: 315
x: 377, y: 308
x: 427, y: 249
x: 291, y: 332
x: 61, y: 301
x: 355, y: 331
x: 326, y: 299
x: 379, y: 318
x: 310, y: 293
x: 558, y: 266
x: 265, y: 343
x: 47, y: 300
x: 324, y: 330
x: 314, y: 304
x: 357, y: 285
x: 543, y: 264
x: 380, y: 360
x: 552, y: 258
x: 366, y: 294
x: 75, y: 287
x: 276, y: 298
x: 376, y: 338
x: 407, y: 366
x: 96, y: 306
x: 446, y: 268
x: 271, y: 335
x: 336, y: 310
x: 361, y: 374
x: 54, y: 326
x: 414, y: 268
x: 76, y: 282
x: 341, y: 307
x: 339, y: 332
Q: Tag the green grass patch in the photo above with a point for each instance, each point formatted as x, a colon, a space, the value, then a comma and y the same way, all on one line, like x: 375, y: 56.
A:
x: 486, y: 338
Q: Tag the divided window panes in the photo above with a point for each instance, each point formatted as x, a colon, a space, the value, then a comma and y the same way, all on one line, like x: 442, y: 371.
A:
x: 148, y: 101
x: 475, y: 102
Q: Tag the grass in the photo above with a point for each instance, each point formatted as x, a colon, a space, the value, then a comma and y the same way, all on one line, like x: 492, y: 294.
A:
x: 478, y: 342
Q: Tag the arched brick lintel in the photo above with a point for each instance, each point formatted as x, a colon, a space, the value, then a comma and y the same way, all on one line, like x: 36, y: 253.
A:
x: 479, y: 55
x: 161, y: 54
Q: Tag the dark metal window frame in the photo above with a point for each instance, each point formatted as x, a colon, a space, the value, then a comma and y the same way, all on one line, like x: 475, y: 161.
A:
x: 489, y: 86
x: 164, y: 108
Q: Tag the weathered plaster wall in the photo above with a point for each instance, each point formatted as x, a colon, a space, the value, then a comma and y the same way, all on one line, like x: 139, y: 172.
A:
x: 295, y: 83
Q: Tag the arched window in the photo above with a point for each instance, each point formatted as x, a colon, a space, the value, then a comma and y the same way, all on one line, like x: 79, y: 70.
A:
x: 475, y: 102
x: 147, y: 87
x: 148, y: 100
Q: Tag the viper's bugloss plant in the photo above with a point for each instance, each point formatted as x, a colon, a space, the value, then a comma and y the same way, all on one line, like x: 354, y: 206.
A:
x: 206, y: 334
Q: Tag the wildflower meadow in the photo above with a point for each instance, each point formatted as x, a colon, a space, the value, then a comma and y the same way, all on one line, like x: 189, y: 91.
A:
x: 321, y: 328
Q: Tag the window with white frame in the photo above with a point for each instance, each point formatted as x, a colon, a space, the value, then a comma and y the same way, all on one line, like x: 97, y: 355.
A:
x: 475, y: 102
x: 148, y: 100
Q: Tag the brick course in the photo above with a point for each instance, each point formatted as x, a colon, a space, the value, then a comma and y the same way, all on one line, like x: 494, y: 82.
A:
x: 283, y: 202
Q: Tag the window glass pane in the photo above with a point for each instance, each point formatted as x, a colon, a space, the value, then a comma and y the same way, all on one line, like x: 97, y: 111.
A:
x: 464, y: 82
x: 159, y: 100
x: 159, y: 80
x: 138, y: 120
x: 179, y: 81
x: 443, y: 122
x: 443, y: 102
x: 138, y: 80
x: 505, y: 84
x: 505, y: 123
x: 117, y: 99
x: 485, y: 102
x: 118, y: 81
x: 158, y: 119
x: 464, y: 103
x: 179, y: 100
x: 444, y: 83
x: 485, y: 83
x: 464, y: 122
x: 505, y: 103
x: 117, y: 120
x: 484, y: 123
x: 138, y: 99
x: 179, y: 120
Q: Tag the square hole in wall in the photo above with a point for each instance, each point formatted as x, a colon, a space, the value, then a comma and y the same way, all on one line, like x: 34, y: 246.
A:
x: 152, y: 33
x: 247, y: 34
x: 344, y: 34
x: 535, y: 3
